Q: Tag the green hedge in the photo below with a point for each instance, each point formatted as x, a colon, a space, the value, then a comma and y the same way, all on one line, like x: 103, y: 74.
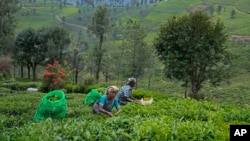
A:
x: 71, y: 88
x: 20, y: 86
x: 167, y: 118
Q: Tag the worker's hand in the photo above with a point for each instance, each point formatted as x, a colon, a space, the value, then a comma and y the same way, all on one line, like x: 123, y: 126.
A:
x: 110, y: 114
x: 137, y: 101
x: 118, y: 111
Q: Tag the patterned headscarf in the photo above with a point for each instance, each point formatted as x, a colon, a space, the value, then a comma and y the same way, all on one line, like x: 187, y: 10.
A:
x: 131, y: 79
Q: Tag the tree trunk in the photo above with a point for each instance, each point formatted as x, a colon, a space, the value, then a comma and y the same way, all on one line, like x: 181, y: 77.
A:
x: 106, y: 79
x: 28, y: 68
x: 98, y: 69
x: 118, y: 75
x: 99, y: 59
x: 75, y: 65
x: 76, y: 76
x: 14, y: 71
x: 149, y: 80
x: 195, y: 89
x: 34, y: 72
x: 186, y: 86
x: 21, y: 71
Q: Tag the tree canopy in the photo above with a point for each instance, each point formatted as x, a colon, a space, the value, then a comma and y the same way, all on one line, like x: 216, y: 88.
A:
x: 27, y: 52
x: 192, y: 49
x: 35, y: 46
x: 7, y: 24
x: 53, y: 40
x: 136, y: 49
x: 100, y: 26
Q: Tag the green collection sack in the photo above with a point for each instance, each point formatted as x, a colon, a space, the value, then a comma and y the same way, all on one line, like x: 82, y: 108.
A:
x: 53, y: 105
x: 94, y: 95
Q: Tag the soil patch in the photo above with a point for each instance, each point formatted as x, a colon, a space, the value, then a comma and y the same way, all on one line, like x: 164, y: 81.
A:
x: 240, y: 38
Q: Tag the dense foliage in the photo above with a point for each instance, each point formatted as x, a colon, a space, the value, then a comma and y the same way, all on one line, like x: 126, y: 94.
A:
x: 54, y: 76
x: 167, y: 118
x: 8, y: 8
x: 192, y: 49
x: 100, y: 26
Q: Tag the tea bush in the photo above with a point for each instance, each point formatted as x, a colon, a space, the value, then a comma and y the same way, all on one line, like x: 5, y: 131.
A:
x: 167, y: 118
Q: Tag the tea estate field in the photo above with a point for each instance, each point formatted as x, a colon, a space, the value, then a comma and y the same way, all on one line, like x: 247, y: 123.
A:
x: 167, y: 118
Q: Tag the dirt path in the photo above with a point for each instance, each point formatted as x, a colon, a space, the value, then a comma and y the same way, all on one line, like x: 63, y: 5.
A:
x: 75, y: 25
x: 232, y: 37
x: 240, y: 38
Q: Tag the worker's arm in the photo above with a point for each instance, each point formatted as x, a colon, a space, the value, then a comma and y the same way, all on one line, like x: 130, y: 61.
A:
x: 104, y: 111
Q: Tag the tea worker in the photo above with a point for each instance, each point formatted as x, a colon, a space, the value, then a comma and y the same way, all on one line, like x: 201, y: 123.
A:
x: 125, y: 93
x: 106, y: 102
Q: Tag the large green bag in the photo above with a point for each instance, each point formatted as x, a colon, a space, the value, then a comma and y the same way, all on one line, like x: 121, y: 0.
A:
x: 53, y: 105
x: 94, y: 95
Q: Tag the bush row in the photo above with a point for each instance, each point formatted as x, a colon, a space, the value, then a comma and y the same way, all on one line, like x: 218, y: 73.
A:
x: 23, y: 86
x: 168, y: 118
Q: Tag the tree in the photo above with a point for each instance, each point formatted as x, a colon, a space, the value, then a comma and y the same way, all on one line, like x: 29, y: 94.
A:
x: 34, y: 47
x: 7, y: 24
x: 233, y: 13
x: 27, y: 52
x: 53, y: 40
x: 136, y: 49
x: 192, y: 49
x: 5, y: 66
x: 219, y: 9
x: 100, y: 26
x: 54, y: 77
x: 77, y: 56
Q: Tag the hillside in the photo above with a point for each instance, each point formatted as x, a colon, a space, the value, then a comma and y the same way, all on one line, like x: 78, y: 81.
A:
x: 170, y: 117
x: 150, y: 17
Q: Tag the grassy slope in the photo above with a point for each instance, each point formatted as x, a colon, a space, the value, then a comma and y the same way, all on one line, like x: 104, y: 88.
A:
x: 35, y: 21
x: 152, y: 16
x: 242, y: 5
x: 240, y: 20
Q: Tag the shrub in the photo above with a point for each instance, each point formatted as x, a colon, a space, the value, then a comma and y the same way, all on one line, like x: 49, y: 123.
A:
x: 89, y: 80
x: 90, y: 87
x: 20, y: 86
x: 53, y: 77
x: 71, y: 88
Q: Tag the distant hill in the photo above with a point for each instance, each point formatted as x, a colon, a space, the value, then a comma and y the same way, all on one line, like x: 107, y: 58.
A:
x: 109, y: 2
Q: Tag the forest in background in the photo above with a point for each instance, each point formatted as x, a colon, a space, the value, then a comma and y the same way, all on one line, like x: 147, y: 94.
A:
x: 67, y: 34
x: 76, y: 20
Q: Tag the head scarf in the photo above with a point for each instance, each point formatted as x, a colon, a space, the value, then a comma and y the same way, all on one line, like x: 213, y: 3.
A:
x: 114, y: 88
x: 131, y: 79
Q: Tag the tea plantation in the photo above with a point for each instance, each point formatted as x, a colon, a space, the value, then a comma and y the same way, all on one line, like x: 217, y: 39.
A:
x: 167, y: 118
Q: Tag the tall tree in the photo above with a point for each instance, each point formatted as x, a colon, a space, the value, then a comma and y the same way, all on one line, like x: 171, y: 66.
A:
x: 7, y: 24
x: 54, y: 41
x: 34, y: 47
x: 137, y: 51
x: 100, y: 26
x: 28, y: 51
x: 192, y: 48
x: 78, y: 56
